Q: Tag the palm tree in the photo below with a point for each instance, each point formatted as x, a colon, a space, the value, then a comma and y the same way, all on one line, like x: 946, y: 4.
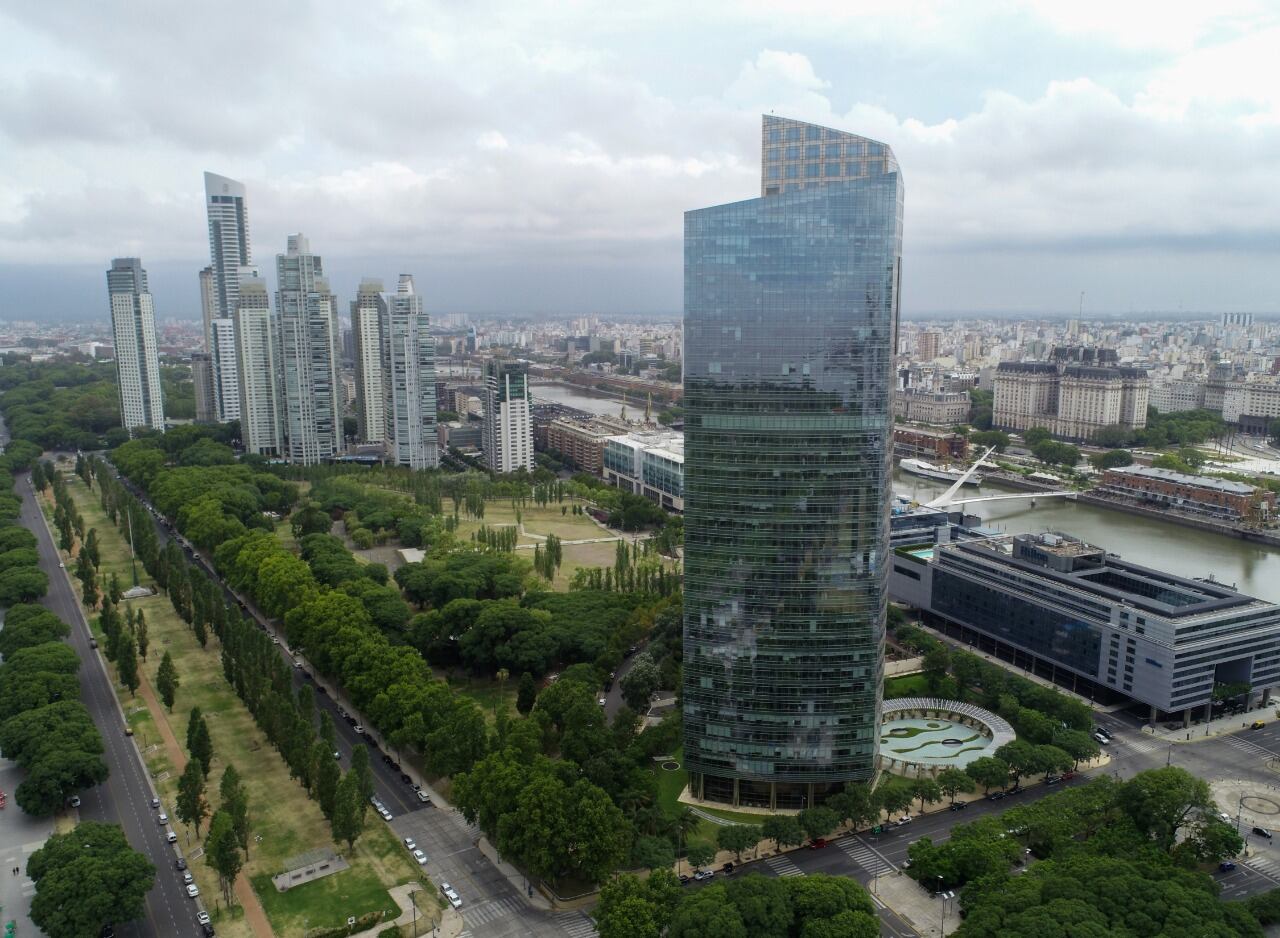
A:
x: 686, y: 823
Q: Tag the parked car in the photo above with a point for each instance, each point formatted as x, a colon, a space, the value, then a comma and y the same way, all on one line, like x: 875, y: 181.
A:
x: 1052, y: 779
x: 703, y: 874
x: 155, y: 802
x: 1101, y: 740
x: 1226, y: 866
x: 727, y: 869
x: 996, y: 795
x: 187, y: 878
x: 420, y: 857
x: 404, y: 777
x: 424, y: 797
x: 903, y: 821
x: 171, y: 837
x: 1262, y: 832
x: 817, y: 843
x: 957, y: 806
x: 162, y: 818
x: 1257, y: 724
x: 454, y: 899
x: 192, y: 890
x: 181, y: 863
x: 75, y: 801
x: 684, y: 880
x: 202, y: 917
x: 410, y: 844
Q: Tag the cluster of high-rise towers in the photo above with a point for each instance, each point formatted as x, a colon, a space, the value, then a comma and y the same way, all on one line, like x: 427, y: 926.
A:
x: 791, y: 324
x: 276, y: 371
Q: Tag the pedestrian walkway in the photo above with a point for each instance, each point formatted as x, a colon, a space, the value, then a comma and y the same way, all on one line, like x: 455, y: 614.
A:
x: 577, y: 924
x: 1222, y: 725
x: 1138, y: 744
x: 1252, y: 749
x: 1267, y: 867
x: 864, y: 856
x: 783, y: 866
x: 484, y: 912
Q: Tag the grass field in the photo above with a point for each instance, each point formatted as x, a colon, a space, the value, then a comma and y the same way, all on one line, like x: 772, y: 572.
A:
x: 287, y: 822
x: 906, y: 685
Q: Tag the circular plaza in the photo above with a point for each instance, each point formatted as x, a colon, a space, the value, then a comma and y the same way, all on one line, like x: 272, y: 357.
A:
x: 923, y: 735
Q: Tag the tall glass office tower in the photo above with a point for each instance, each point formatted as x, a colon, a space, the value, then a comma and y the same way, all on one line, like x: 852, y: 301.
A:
x: 791, y: 320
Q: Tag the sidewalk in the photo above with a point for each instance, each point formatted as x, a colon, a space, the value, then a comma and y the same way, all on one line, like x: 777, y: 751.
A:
x: 514, y: 876
x: 1218, y: 727
x: 451, y: 922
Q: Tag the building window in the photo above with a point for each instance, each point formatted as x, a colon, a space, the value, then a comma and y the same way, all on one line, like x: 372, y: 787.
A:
x: 811, y: 170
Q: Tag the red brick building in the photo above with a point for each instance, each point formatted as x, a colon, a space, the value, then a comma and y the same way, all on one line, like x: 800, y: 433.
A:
x: 1206, y: 495
x: 914, y: 443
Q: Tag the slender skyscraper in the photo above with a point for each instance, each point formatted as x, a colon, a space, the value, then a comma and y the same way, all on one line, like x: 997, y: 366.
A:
x: 308, y: 317
x: 367, y: 312
x: 133, y: 320
x: 256, y: 355
x: 226, y: 369
x: 791, y: 317
x: 229, y: 249
x: 508, y: 422
x: 409, y: 374
x: 202, y: 379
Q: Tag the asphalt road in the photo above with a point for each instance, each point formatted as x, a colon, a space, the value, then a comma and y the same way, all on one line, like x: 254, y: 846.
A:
x: 125, y: 798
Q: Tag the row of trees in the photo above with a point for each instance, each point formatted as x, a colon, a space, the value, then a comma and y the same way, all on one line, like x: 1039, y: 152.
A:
x: 21, y: 579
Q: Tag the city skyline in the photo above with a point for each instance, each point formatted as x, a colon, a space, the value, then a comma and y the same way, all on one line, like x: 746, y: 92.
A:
x: 1053, y: 151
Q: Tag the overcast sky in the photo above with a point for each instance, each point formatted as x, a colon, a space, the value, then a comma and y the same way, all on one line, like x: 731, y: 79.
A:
x: 536, y: 156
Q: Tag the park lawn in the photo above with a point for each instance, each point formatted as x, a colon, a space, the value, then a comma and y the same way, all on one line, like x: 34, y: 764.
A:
x: 487, y: 693
x: 576, y: 556
x: 906, y: 685
x: 537, y: 519
x: 284, y: 534
x: 287, y: 822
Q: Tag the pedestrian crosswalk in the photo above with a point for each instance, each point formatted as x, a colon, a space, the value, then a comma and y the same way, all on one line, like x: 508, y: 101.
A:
x: 576, y: 924
x: 478, y: 915
x: 783, y: 866
x: 1139, y: 744
x: 864, y: 856
x: 472, y: 829
x: 1267, y: 867
x: 1245, y: 746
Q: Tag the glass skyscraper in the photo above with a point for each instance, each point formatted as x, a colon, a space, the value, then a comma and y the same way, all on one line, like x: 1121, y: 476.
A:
x: 791, y: 320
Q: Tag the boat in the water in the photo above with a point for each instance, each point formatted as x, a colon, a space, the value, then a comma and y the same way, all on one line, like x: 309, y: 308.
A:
x: 927, y: 470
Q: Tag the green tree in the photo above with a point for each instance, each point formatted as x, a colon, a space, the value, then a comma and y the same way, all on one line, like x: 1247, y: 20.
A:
x: 191, y: 806
x: 347, y: 822
x: 222, y: 850
x: 167, y: 682
x: 989, y: 772
x: 87, y: 878
x: 127, y: 663
x: 1111, y: 459
x: 1076, y: 743
x: 1036, y: 435
x: 140, y: 635
x: 895, y: 794
x: 198, y: 742
x: 640, y: 682
x: 1023, y: 758
x: 783, y: 829
x: 327, y: 777
x: 526, y: 693
x: 926, y: 791
x: 953, y: 781
x: 737, y: 838
x: 363, y: 773
x: 937, y: 661
x: 818, y: 822
x: 700, y: 854
x: 235, y: 802
x: 855, y: 803
x: 651, y: 853
x: 1160, y: 802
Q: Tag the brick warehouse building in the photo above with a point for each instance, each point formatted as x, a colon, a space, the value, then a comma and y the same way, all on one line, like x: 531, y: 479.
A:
x: 1219, y: 498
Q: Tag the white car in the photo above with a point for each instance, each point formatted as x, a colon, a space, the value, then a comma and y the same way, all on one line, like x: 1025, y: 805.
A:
x: 75, y: 801
x: 905, y: 819
x: 453, y: 897
x: 192, y: 891
x: 171, y: 837
x: 420, y: 857
x: 424, y: 797
x: 162, y: 818
x: 410, y: 844
x: 202, y: 917
x: 187, y: 878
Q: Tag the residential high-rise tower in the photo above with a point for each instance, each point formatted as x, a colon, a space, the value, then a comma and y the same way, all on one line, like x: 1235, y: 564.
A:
x: 508, y: 422
x: 308, y: 318
x: 226, y: 369
x: 256, y: 355
x: 229, y: 248
x: 208, y: 305
x: 367, y: 312
x: 409, y: 375
x: 133, y: 320
x: 791, y: 319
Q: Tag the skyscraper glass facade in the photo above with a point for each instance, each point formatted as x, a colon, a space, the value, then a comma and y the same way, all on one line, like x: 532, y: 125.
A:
x: 791, y: 316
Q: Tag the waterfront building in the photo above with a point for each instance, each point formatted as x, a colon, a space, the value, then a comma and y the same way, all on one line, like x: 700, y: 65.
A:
x: 367, y: 312
x: 934, y: 445
x: 944, y: 408
x: 1073, y: 396
x: 307, y: 314
x: 257, y: 354
x: 583, y: 441
x: 791, y: 322
x: 202, y: 380
x: 230, y: 252
x: 226, y: 369
x: 1091, y: 620
x: 1211, y: 497
x: 409, y: 379
x: 648, y: 463
x: 508, y: 426
x: 133, y: 323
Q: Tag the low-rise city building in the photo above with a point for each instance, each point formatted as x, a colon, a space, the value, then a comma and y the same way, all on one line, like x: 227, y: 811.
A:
x: 648, y: 463
x: 1224, y: 499
x: 583, y: 441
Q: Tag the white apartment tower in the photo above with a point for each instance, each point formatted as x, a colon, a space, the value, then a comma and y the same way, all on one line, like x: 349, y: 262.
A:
x: 133, y: 320
x: 409, y: 376
x: 256, y: 356
x: 229, y: 248
x: 226, y: 369
x: 367, y: 312
x: 508, y: 424
x: 308, y: 317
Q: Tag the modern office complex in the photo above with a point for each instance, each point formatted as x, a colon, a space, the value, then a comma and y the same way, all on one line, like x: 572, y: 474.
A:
x: 409, y: 375
x: 508, y: 424
x: 133, y: 320
x: 791, y: 320
x: 1075, y: 612
x: 649, y: 464
x: 308, y: 317
x: 226, y: 369
x: 261, y: 428
x: 367, y: 312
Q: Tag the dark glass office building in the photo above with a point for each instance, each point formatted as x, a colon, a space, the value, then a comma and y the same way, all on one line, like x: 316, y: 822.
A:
x: 791, y: 319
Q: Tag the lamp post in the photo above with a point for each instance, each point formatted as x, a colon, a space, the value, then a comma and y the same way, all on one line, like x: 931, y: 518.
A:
x: 413, y: 902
